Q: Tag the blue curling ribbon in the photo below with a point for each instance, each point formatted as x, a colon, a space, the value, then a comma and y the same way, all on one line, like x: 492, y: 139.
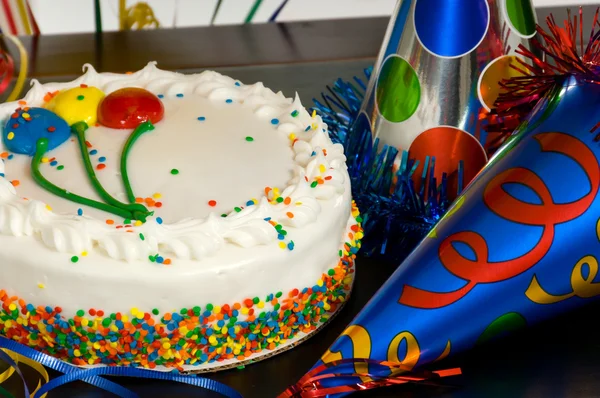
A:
x: 91, y: 376
x: 11, y: 363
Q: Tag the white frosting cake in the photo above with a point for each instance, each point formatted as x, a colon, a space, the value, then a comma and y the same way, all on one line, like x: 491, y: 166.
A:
x: 248, y: 240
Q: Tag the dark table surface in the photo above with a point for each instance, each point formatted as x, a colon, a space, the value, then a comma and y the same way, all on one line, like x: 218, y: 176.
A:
x: 555, y: 359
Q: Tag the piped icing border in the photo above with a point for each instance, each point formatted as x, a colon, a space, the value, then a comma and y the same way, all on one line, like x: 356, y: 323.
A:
x: 319, y: 174
x: 191, y: 336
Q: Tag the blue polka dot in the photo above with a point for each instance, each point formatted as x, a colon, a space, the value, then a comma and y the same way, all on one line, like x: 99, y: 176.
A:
x: 275, y: 121
x: 229, y: 101
x: 160, y: 96
x: 53, y: 163
x: 102, y: 159
x: 159, y: 220
x: 93, y: 152
x: 451, y: 28
x: 201, y: 118
x: 80, y: 212
x: 179, y: 95
x: 237, y: 84
x: 2, y: 175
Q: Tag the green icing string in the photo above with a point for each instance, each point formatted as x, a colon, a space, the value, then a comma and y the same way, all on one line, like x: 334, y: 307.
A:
x: 138, y: 211
x: 41, y: 149
x: 137, y: 133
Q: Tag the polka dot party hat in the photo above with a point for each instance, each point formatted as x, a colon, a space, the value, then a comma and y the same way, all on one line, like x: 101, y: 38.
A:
x: 437, y: 76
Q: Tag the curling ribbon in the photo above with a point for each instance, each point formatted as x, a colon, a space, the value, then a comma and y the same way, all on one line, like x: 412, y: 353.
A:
x: 9, y: 67
x: 309, y: 386
x: 37, y: 360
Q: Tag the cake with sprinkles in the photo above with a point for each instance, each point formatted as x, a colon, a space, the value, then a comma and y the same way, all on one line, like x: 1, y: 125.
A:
x: 169, y: 221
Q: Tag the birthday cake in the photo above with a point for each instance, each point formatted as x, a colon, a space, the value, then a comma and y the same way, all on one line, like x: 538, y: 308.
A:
x: 163, y: 220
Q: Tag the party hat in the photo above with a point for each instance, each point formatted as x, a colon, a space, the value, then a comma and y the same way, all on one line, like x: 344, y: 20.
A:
x: 414, y: 134
x: 520, y: 245
x: 440, y: 66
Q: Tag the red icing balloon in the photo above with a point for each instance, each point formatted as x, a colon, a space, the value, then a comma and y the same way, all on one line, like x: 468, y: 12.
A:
x: 128, y: 107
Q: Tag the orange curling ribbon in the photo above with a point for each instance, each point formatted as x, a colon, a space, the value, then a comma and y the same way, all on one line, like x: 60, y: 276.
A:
x: 547, y: 215
x: 310, y: 385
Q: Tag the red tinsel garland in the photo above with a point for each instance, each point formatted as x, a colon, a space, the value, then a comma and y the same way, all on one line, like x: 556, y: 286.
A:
x: 559, y: 57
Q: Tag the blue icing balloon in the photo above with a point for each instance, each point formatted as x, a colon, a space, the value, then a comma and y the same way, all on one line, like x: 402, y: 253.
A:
x: 24, y: 128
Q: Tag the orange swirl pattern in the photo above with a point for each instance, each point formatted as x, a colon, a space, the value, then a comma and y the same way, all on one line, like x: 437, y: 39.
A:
x: 548, y: 214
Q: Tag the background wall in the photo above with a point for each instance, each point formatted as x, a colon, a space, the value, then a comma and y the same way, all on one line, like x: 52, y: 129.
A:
x: 72, y: 16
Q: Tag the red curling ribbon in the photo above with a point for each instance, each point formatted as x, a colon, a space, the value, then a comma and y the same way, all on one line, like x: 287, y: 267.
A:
x: 547, y: 215
x: 309, y: 386
x: 7, y: 69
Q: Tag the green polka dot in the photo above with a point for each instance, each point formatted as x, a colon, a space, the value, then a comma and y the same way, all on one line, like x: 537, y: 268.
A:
x: 398, y: 90
x: 249, y: 139
x: 521, y: 16
x: 506, y: 323
x: 174, y: 172
x: 80, y: 97
x: 74, y: 259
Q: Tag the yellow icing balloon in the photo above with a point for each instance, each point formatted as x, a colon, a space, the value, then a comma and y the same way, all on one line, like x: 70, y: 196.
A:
x: 79, y: 104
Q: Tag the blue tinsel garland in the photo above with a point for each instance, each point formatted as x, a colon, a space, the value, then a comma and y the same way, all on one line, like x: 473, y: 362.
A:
x: 396, y: 217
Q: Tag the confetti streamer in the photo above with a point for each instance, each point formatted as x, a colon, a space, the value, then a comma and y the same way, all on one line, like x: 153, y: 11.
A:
x: 252, y: 11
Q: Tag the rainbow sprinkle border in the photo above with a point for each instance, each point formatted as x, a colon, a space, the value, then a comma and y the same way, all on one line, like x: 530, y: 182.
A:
x: 191, y: 336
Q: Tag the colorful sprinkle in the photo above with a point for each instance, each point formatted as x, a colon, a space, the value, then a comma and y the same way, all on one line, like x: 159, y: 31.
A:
x: 249, y: 139
x: 201, y: 118
x: 61, y: 167
x: 159, y: 220
x: 102, y: 159
x: 228, y: 101
x: 10, y: 136
x: 212, y: 203
x: 179, y: 95
x: 174, y: 172
x: 101, y: 166
x: 188, y: 336
x: 160, y: 96
x: 93, y: 152
x: 80, y: 212
x: 53, y: 163
x: 74, y: 259
x: 275, y: 121
x: 80, y: 98
x: 295, y: 113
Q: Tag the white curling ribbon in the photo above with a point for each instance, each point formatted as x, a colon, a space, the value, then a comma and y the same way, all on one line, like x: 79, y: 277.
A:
x: 188, y: 238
